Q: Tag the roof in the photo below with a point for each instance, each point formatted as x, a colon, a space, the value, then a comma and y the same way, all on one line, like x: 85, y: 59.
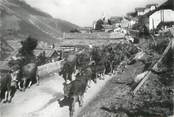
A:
x: 166, y: 5
x: 149, y: 5
x: 14, y: 53
x: 5, y: 45
x: 116, y: 19
x: 108, y: 26
x: 37, y: 52
x: 132, y: 14
x: 139, y: 9
x: 49, y: 53
x: 15, y: 44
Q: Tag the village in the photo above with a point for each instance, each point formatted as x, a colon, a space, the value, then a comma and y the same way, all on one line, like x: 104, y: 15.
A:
x: 120, y: 66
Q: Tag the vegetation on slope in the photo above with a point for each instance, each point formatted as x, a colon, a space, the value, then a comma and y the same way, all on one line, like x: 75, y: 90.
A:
x: 153, y: 99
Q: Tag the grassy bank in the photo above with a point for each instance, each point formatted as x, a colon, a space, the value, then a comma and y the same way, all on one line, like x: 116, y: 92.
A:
x: 153, y: 99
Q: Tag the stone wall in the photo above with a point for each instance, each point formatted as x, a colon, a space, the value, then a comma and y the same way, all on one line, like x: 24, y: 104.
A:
x: 97, y: 35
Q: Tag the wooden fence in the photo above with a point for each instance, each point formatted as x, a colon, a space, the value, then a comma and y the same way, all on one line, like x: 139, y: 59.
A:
x: 170, y: 46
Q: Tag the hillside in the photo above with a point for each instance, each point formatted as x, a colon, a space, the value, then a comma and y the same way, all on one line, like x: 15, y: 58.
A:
x: 20, y: 17
x: 5, y: 49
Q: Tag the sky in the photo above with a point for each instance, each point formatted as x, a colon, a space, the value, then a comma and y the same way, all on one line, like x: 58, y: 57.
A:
x: 84, y: 12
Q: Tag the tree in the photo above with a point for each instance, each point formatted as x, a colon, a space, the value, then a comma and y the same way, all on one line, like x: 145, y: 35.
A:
x: 99, y: 25
x: 26, y: 51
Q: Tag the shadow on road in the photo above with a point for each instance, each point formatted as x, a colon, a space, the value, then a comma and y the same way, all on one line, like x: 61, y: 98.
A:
x: 55, y: 94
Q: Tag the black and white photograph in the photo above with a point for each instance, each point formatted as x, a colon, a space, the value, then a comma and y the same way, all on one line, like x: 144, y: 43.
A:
x: 86, y: 58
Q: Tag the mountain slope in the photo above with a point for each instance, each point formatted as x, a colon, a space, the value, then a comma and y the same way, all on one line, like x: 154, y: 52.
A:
x: 34, y: 22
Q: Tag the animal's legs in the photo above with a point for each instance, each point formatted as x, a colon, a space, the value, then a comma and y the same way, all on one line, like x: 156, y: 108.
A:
x: 72, y: 107
x: 0, y: 96
x: 80, y: 100
x: 29, y: 85
x: 24, y: 84
x: 70, y: 76
x: 101, y: 76
x: 37, y: 79
x: 6, y: 97
x: 19, y: 86
x: 12, y: 93
x: 9, y: 96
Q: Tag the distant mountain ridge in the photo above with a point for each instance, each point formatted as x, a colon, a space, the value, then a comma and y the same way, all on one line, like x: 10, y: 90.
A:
x: 30, y: 21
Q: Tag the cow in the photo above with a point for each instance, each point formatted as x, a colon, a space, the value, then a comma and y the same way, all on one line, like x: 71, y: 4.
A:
x: 97, y: 55
x: 83, y: 59
x: 8, y: 85
x: 74, y: 91
x: 28, y: 73
x: 68, y: 67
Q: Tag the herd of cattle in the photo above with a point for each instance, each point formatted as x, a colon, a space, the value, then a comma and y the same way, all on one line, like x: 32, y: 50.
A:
x: 90, y: 64
x: 87, y: 65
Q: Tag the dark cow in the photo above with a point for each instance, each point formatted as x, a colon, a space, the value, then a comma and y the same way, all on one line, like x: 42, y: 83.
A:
x: 83, y: 59
x: 74, y: 91
x: 28, y: 73
x: 67, y: 71
x: 8, y: 85
x: 98, y: 56
x: 68, y: 67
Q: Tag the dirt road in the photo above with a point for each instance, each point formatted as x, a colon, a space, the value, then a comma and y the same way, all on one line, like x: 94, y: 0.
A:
x: 41, y: 101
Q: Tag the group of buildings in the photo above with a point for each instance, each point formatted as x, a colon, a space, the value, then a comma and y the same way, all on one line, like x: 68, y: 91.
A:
x: 152, y: 15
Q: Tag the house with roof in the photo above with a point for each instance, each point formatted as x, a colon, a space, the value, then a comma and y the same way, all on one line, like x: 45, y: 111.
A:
x: 140, y: 11
x: 115, y: 20
x: 162, y: 14
x: 52, y: 55
x: 15, y: 44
